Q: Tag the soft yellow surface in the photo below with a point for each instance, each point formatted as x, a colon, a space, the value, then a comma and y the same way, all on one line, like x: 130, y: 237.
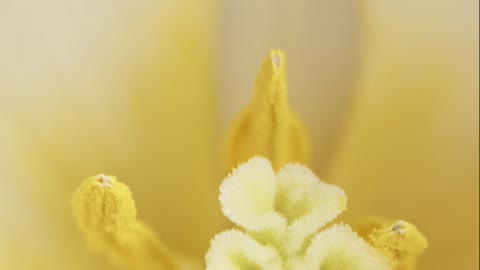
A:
x: 84, y: 84
x: 93, y: 87
x: 410, y: 147
x: 268, y: 126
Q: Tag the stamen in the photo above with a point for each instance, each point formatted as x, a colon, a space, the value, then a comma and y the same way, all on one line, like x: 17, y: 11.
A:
x: 105, y: 211
x: 268, y: 126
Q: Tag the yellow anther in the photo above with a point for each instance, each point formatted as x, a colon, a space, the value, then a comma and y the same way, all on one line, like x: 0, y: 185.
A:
x: 400, y: 241
x: 106, y: 213
x: 267, y: 126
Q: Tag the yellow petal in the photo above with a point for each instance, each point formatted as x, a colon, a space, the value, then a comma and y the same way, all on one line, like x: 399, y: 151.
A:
x: 106, y: 213
x: 108, y: 92
x: 410, y: 146
x: 267, y: 126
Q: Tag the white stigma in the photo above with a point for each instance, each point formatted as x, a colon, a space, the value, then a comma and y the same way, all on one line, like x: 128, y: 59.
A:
x: 276, y: 60
x: 399, y: 227
x: 105, y: 180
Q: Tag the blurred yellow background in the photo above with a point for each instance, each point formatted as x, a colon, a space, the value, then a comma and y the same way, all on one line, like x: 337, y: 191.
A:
x: 144, y: 90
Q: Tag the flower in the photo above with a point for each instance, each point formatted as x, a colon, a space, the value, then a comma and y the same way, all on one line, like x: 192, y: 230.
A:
x: 95, y: 87
x: 281, y: 214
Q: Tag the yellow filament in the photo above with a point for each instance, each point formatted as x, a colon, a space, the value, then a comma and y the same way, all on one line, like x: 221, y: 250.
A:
x: 267, y: 126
